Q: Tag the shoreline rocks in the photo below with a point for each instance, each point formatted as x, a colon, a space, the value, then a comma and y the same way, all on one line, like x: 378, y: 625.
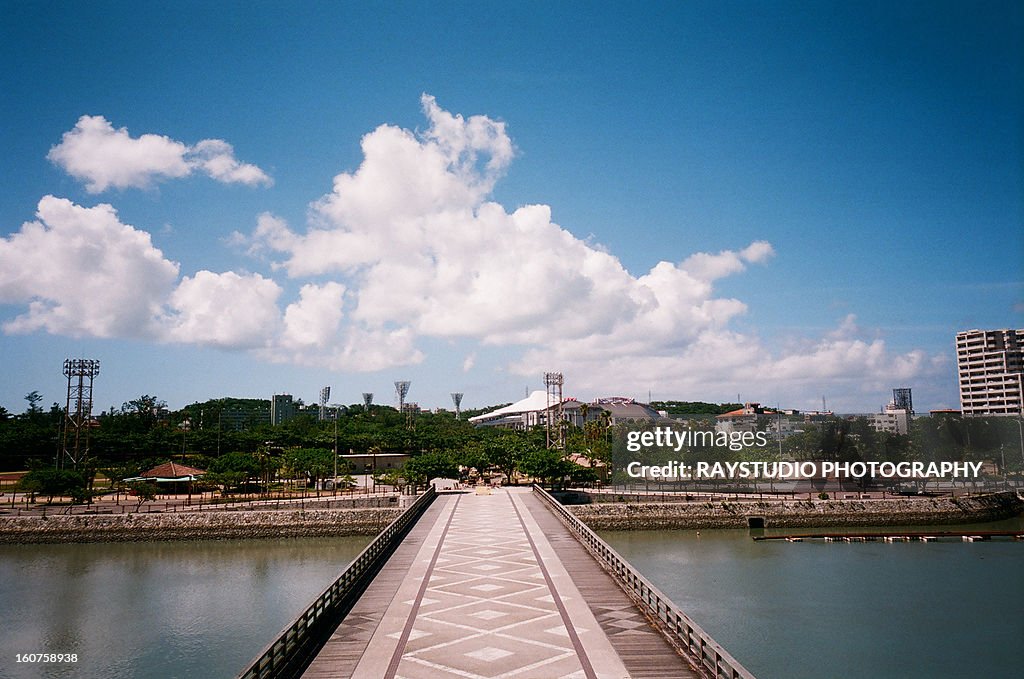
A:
x: 221, y: 525
x: 209, y: 525
x: 801, y: 514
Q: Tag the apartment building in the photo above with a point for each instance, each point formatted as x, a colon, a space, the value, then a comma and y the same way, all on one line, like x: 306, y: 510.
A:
x: 990, y: 366
x: 892, y: 420
x: 282, y: 408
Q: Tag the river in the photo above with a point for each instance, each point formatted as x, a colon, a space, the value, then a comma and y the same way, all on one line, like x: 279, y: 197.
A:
x: 158, y: 610
x: 847, y: 610
x: 785, y: 610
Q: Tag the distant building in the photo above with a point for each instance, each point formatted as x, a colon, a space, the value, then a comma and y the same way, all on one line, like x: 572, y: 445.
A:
x: 282, y: 409
x: 625, y: 410
x: 370, y: 463
x: 612, y: 409
x: 533, y: 411
x: 903, y: 399
x: 895, y: 418
x: 240, y: 419
x: 521, y: 415
x: 171, y: 477
x: 892, y: 420
x: 785, y: 424
x: 990, y: 366
x: 741, y: 419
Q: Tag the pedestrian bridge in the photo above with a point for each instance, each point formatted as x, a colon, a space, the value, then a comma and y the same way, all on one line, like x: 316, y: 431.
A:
x: 502, y: 583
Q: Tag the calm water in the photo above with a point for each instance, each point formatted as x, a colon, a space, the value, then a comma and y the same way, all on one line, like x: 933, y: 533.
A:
x: 785, y: 610
x: 874, y: 609
x: 158, y: 610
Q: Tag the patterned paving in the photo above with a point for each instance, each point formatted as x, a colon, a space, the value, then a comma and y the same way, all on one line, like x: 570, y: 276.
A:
x: 484, y: 595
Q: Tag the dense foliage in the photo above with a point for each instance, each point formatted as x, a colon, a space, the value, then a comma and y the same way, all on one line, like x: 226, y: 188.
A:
x: 233, y: 441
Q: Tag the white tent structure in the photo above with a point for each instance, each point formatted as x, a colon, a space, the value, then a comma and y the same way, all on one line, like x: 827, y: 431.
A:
x: 520, y: 415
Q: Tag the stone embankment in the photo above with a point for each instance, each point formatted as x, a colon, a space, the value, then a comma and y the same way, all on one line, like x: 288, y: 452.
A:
x: 211, y: 525
x: 801, y: 514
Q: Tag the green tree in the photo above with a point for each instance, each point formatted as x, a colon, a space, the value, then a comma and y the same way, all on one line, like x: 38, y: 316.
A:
x: 55, y: 482
x: 506, y: 451
x: 548, y: 466
x: 392, y: 477
x: 145, y: 491
x: 33, y: 398
x: 229, y: 481
x: 311, y: 463
x: 117, y: 472
x: 422, y: 468
x: 245, y: 463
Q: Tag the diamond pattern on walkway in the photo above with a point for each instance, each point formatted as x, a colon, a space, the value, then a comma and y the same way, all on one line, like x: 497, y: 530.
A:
x: 479, y: 591
x: 493, y: 609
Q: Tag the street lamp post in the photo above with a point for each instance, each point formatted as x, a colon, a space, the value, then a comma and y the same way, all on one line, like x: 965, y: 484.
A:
x: 1002, y: 456
x: 335, y: 484
x: 1020, y: 431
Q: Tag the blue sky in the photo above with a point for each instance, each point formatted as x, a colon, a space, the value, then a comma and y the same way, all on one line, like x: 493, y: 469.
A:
x: 834, y: 188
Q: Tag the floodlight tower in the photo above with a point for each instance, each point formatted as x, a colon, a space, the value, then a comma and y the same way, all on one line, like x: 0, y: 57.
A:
x: 367, y: 400
x: 325, y: 394
x: 75, y: 440
x: 553, y: 421
x: 457, y: 400
x: 402, y: 390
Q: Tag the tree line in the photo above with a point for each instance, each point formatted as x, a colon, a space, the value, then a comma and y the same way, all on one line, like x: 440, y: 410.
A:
x: 248, y: 453
x: 125, y: 441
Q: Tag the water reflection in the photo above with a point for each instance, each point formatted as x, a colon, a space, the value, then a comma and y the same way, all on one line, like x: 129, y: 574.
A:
x: 158, y: 609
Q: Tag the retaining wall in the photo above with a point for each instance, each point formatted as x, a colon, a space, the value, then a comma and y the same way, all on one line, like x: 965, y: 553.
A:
x: 801, y: 514
x: 217, y: 525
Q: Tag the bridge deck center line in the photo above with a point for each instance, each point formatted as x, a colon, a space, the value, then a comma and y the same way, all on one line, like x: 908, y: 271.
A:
x: 396, y: 658
x: 579, y: 619
x: 588, y: 668
x: 380, y: 647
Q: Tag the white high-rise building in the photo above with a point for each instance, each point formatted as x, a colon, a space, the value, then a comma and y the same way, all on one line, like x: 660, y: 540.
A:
x: 990, y: 364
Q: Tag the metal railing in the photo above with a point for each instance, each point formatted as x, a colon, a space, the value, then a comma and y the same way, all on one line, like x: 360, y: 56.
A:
x: 379, y: 501
x: 681, y: 629
x: 295, y: 647
x: 18, y: 503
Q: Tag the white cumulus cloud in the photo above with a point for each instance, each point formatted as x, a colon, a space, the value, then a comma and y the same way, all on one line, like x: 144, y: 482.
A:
x: 314, y: 320
x: 216, y: 158
x: 225, y: 310
x: 407, y: 249
x: 81, y: 271
x: 423, y: 252
x: 104, y: 157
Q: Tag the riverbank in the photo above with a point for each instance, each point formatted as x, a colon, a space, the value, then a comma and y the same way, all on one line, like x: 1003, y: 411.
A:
x: 213, y: 525
x: 221, y: 525
x: 918, y: 511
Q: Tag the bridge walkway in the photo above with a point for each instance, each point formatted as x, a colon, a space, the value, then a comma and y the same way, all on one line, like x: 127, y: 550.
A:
x: 495, y: 586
